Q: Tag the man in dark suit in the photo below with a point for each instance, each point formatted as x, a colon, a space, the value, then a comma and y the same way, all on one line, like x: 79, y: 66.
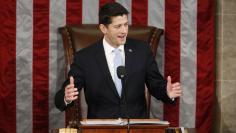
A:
x: 94, y: 68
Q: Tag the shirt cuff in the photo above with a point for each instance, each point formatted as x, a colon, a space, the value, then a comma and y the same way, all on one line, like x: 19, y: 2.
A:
x: 66, y: 103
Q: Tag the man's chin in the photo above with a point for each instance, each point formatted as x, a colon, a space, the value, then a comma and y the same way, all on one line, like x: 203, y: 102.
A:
x: 123, y: 42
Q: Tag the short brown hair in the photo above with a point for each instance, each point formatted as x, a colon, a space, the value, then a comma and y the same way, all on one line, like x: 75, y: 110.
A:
x: 111, y: 10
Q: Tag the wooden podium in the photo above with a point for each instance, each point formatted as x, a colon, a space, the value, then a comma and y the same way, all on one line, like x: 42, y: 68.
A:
x: 114, y: 129
x: 124, y: 128
x: 97, y: 128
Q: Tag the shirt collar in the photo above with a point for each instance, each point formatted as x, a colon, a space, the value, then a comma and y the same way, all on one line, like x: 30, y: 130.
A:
x: 108, y: 48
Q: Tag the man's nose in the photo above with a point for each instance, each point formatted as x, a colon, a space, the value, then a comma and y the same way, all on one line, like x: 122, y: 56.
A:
x: 124, y: 29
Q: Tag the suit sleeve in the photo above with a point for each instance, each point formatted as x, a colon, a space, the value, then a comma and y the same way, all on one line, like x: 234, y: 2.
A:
x: 155, y: 82
x: 76, y: 70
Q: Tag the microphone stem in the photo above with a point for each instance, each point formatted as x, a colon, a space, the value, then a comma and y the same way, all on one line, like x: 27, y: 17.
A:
x: 121, y: 73
x: 128, y: 127
x: 126, y: 106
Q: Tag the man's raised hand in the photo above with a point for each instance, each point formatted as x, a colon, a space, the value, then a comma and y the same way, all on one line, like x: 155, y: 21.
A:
x: 71, y: 93
x: 173, y: 90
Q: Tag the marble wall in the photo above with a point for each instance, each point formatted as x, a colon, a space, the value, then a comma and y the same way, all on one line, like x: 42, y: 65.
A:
x: 225, y: 106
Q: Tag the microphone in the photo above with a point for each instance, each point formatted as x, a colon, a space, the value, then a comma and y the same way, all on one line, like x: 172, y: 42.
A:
x: 121, y: 73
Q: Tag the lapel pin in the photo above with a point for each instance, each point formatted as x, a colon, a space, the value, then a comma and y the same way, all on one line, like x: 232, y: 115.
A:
x: 130, y: 50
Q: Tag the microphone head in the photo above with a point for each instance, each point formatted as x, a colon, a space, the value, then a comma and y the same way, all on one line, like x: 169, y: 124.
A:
x: 121, y: 73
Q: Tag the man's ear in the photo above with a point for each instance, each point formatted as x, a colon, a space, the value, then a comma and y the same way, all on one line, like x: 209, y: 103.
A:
x: 103, y: 28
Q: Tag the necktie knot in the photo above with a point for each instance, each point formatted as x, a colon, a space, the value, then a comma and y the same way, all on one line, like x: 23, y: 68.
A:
x: 116, y: 51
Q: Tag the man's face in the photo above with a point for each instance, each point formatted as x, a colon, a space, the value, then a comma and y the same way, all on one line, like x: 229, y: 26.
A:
x: 116, y: 32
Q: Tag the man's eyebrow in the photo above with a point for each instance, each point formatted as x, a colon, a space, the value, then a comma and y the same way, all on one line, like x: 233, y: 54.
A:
x: 117, y: 24
x: 120, y: 24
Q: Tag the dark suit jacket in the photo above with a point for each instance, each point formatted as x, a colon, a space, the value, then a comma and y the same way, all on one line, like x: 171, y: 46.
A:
x: 90, y: 70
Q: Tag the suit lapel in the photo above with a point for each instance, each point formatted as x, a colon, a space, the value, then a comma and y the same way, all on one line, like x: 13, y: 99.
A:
x: 102, y: 62
x: 129, y: 59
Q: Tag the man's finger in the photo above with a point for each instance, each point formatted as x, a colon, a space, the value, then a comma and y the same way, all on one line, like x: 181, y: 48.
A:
x: 69, y: 86
x: 169, y: 80
x: 176, y: 84
x: 73, y: 98
x: 71, y: 80
x: 71, y: 92
x: 169, y: 84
